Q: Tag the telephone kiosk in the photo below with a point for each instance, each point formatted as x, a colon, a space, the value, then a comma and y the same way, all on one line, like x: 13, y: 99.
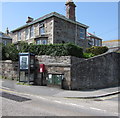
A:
x: 26, y: 67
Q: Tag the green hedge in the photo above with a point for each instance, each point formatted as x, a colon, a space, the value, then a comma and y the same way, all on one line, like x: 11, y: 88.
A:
x: 11, y: 51
x: 97, y: 50
x: 88, y: 55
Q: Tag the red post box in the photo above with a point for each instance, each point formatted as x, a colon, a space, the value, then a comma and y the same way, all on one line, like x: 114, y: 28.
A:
x: 42, y: 68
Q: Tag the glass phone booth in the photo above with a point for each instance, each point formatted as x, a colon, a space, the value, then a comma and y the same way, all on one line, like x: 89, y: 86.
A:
x: 26, y: 67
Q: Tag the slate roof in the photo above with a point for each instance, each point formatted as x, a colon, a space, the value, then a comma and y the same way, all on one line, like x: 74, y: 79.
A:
x: 5, y: 36
x: 92, y: 35
x: 53, y: 14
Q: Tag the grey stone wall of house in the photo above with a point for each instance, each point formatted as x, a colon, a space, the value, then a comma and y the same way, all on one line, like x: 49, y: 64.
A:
x: 65, y: 32
x: 97, y: 72
x: 9, y: 69
x: 48, y: 23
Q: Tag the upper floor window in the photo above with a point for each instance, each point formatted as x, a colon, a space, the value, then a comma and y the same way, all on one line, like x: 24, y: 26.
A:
x: 41, y: 29
x: 82, y: 33
x: 19, y: 36
x: 27, y: 33
x: 93, y: 42
x: 31, y: 31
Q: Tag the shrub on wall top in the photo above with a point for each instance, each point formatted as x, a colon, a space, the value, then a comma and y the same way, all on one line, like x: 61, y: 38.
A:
x: 96, y: 50
x: 68, y: 49
x: 10, y: 52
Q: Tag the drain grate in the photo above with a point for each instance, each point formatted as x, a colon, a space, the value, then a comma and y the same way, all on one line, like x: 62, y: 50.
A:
x: 14, y: 97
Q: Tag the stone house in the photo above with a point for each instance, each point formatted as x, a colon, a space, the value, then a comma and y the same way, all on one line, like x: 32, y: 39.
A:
x: 93, y: 40
x: 53, y: 28
x: 5, y: 38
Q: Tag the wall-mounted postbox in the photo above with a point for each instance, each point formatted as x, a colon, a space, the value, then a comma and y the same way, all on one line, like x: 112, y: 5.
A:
x: 42, y: 68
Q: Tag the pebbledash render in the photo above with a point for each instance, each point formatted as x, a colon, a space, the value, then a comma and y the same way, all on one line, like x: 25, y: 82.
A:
x: 53, y: 28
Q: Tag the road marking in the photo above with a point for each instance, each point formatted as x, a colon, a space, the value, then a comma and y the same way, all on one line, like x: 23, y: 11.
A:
x: 58, y: 102
x: 8, y: 91
x: 96, y: 108
x: 2, y: 87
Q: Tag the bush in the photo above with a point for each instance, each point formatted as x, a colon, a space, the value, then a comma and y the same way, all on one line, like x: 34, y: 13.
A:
x: 97, y: 50
x: 10, y: 52
x: 88, y: 55
x: 22, y: 47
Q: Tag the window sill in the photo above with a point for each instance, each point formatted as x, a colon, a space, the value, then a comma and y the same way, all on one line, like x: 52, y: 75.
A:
x: 43, y: 35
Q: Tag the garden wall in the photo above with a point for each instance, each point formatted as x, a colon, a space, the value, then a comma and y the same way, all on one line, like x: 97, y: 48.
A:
x: 98, y: 72
x: 94, y: 73
x: 9, y: 69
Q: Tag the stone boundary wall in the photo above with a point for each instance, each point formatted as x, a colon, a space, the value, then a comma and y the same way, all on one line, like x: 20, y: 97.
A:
x: 9, y: 69
x: 98, y: 72
x: 58, y: 65
x: 47, y: 60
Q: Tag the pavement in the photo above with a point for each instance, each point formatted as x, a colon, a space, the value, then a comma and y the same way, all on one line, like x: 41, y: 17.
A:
x: 57, y: 92
x: 90, y: 94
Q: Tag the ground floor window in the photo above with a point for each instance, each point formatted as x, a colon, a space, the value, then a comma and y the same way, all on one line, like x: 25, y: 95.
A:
x: 38, y: 42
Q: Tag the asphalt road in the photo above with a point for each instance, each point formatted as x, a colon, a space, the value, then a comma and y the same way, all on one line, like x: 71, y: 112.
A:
x: 15, y: 102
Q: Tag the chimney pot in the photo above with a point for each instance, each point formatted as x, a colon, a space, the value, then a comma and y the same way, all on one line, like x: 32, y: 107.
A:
x: 7, y: 31
x: 30, y: 19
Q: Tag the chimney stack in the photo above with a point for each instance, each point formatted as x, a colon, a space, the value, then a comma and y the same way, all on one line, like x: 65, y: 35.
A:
x: 70, y: 10
x: 7, y: 31
x: 29, y: 20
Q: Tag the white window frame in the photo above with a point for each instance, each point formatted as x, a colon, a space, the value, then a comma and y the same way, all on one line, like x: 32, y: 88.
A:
x: 41, y: 28
x: 99, y: 42
x: 41, y: 42
x: 96, y: 42
x: 38, y: 41
x: 82, y: 32
x: 19, y: 36
x: 27, y: 34
x: 31, y: 31
x: 93, y: 41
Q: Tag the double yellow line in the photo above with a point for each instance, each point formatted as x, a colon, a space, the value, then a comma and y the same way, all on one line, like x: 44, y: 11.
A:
x: 8, y: 91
